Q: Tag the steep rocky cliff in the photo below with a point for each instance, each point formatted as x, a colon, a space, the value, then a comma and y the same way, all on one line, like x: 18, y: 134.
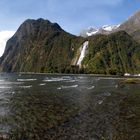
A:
x: 116, y: 53
x: 39, y: 46
x: 42, y: 46
x: 132, y: 26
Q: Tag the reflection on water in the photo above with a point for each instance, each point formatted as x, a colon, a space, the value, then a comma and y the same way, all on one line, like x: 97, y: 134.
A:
x: 68, y: 107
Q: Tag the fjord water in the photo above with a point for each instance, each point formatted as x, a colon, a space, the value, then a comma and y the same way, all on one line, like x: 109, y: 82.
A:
x: 68, y: 107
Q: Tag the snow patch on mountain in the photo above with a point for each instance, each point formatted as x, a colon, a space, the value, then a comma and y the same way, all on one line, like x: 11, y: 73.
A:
x: 110, y: 27
x: 106, y: 29
x: 92, y: 31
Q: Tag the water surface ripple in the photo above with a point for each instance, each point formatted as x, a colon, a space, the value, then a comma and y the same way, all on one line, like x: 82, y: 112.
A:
x: 68, y: 107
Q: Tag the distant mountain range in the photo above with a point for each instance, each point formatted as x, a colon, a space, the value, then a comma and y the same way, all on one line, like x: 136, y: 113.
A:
x: 42, y: 46
x: 106, y: 29
x: 131, y: 26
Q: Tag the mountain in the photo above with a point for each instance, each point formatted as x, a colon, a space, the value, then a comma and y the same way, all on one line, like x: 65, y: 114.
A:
x: 89, y: 32
x: 39, y: 46
x: 116, y: 53
x: 132, y: 26
x: 106, y: 29
x: 42, y: 46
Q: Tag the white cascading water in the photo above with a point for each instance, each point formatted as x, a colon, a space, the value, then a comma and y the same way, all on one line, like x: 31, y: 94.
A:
x: 83, y: 52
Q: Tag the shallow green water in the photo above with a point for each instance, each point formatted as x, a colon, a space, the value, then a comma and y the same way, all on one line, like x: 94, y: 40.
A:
x: 68, y: 107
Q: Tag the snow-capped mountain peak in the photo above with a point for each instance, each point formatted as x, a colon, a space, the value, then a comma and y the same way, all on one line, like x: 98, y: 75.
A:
x: 106, y: 29
x: 92, y: 31
x: 110, y: 27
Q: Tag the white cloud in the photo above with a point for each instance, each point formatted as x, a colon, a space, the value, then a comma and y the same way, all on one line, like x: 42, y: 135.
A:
x: 4, y: 36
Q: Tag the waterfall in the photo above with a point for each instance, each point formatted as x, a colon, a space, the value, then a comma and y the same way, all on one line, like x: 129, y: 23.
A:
x: 83, y: 52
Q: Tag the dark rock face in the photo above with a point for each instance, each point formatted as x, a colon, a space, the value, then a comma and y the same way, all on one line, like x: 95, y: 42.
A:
x: 39, y: 46
x: 42, y: 46
x: 132, y: 26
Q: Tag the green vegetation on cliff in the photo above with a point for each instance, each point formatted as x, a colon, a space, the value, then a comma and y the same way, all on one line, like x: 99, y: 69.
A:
x: 116, y: 53
x: 42, y: 46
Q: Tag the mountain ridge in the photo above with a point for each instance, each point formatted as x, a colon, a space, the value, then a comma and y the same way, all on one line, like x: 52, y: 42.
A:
x: 34, y: 35
x: 42, y: 46
x: 105, y: 29
x: 130, y: 25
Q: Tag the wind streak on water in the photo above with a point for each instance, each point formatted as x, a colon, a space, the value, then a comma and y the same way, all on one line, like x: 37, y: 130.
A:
x: 84, y: 105
x: 65, y: 87
x: 24, y: 80
x: 58, y: 79
x: 29, y: 86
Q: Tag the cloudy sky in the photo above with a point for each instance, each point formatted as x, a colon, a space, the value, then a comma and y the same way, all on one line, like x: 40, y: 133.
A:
x: 72, y: 15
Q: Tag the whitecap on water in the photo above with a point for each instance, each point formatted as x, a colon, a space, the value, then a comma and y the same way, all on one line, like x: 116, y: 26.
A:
x: 100, y: 102
x: 65, y: 87
x: 71, y: 81
x: 8, y: 83
x: 73, y: 86
x: 57, y: 79
x: 66, y: 77
x: 24, y: 80
x: 42, y: 84
x: 5, y: 87
x: 13, y: 92
x: 92, y: 87
x: 53, y: 80
x: 107, y: 94
x: 11, y: 83
x: 26, y: 86
x: 81, y: 77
